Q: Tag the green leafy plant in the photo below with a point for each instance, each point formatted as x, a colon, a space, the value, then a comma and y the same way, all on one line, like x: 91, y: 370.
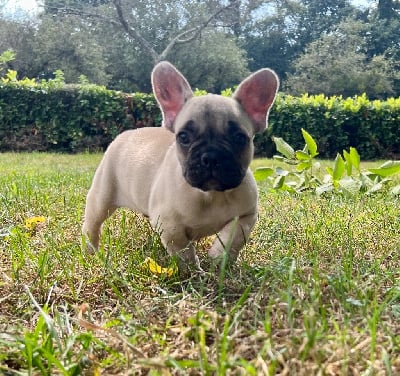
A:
x: 199, y: 92
x: 227, y: 92
x: 11, y: 77
x: 336, y: 122
x: 345, y: 177
x: 6, y: 57
x: 54, y: 345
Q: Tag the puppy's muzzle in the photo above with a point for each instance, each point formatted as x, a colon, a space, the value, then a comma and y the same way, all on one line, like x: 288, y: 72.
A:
x: 209, y: 160
x: 213, y: 169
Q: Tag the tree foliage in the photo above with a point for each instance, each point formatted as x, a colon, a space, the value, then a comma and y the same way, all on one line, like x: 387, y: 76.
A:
x: 212, y: 63
x: 337, y: 63
x: 71, y: 46
x: 6, y: 57
x: 315, y: 46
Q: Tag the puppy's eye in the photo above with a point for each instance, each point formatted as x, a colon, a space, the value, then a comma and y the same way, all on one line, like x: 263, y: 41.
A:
x: 183, y: 138
x: 240, y: 139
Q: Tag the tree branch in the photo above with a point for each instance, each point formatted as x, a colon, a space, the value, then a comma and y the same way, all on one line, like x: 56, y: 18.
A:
x: 195, y: 31
x: 183, y: 37
x: 80, y: 12
x: 133, y: 32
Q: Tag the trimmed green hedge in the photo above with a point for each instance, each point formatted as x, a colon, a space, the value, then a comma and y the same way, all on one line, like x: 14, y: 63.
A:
x: 69, y: 118
x: 372, y: 127
x: 51, y: 117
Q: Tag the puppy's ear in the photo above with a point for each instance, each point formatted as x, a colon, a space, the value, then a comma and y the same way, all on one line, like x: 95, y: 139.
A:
x: 171, y: 91
x: 256, y: 94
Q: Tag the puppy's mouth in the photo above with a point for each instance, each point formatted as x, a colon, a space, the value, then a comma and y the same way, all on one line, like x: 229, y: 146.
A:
x: 213, y: 170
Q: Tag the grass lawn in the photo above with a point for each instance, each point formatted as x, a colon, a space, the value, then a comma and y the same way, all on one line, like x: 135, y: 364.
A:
x: 315, y: 292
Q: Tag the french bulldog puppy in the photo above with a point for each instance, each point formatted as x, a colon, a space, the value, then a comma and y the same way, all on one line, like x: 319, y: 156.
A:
x: 191, y: 176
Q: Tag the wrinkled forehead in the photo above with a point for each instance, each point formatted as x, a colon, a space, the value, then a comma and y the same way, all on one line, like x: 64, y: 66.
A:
x: 212, y: 110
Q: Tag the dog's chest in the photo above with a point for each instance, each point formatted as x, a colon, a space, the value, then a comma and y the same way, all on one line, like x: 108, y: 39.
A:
x: 210, y: 216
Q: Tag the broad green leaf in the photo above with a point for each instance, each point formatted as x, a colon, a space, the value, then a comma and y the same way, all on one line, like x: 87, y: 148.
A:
x: 324, y: 188
x: 346, y: 156
x: 366, y: 180
x: 262, y: 173
x: 283, y: 147
x: 278, y: 183
x: 311, y: 144
x: 388, y: 164
x: 348, y: 164
x: 315, y: 180
x: 355, y: 158
x: 349, y: 168
x: 375, y: 188
x: 387, y: 169
x: 302, y: 156
x: 281, y: 172
x: 329, y: 170
x: 386, y: 180
x: 292, y: 162
x: 338, y: 169
x: 395, y: 190
x: 305, y: 165
x: 327, y: 179
x: 288, y: 188
x: 350, y: 186
x: 301, y: 183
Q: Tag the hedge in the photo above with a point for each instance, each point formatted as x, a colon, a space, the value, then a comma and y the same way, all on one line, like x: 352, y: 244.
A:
x: 372, y: 127
x: 70, y: 118
x: 75, y: 118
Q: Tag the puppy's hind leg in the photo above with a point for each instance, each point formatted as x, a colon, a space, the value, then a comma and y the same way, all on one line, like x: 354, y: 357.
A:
x: 96, y: 212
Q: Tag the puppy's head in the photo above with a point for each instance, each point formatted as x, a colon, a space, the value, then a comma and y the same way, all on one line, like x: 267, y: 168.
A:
x: 214, y: 134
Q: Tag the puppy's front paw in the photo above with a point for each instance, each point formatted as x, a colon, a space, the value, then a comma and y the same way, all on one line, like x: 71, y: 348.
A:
x: 191, y: 263
x: 187, y: 258
x: 88, y: 246
x: 218, y: 254
x: 188, y: 268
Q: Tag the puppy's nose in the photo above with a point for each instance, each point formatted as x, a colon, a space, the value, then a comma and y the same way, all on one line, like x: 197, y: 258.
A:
x: 209, y: 159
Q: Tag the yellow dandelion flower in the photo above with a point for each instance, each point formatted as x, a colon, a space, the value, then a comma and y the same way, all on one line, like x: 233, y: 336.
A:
x: 32, y: 222
x: 155, y: 268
